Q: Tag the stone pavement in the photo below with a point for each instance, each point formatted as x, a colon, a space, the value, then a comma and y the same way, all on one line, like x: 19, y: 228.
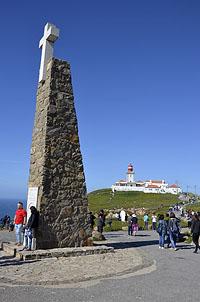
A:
x: 173, y: 277
x: 7, y: 236
x: 55, y: 271
x: 64, y: 270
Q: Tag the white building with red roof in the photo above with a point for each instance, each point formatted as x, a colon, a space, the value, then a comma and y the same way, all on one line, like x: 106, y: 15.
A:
x: 147, y: 186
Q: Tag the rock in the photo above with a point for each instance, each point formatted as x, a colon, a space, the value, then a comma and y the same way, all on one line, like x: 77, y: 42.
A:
x: 125, y: 228
x: 97, y: 236
x: 88, y: 242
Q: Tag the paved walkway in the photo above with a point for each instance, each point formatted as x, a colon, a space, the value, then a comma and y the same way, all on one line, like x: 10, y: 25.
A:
x: 175, y: 276
x: 67, y: 270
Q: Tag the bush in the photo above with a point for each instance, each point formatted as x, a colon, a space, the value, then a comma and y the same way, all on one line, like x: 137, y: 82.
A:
x: 116, y: 226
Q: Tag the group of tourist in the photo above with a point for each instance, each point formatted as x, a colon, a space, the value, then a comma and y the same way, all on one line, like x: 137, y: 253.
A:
x: 169, y: 230
x: 100, y: 220
x: 133, y: 223
x: 168, y: 227
x: 25, y: 230
x: 6, y: 223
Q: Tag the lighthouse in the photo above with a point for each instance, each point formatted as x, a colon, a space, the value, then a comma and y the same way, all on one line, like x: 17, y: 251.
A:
x: 130, y: 173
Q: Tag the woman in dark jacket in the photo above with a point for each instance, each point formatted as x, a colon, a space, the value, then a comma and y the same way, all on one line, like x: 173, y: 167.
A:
x: 31, y: 228
x: 174, y: 230
x: 195, y: 230
x: 162, y: 230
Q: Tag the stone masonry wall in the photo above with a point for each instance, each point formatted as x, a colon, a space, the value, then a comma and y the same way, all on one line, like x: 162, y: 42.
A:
x: 56, y: 163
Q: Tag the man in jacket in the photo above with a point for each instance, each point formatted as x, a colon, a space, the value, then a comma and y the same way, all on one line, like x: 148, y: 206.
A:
x: 195, y: 230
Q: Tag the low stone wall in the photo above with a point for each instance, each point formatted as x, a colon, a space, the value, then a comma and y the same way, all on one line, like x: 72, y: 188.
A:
x: 64, y: 252
x: 10, y: 249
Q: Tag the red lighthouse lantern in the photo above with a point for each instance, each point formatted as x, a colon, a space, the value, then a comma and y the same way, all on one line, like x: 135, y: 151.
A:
x: 130, y: 168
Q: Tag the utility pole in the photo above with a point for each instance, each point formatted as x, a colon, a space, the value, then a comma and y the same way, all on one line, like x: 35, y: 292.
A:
x: 195, y: 190
x: 176, y: 182
x: 187, y: 189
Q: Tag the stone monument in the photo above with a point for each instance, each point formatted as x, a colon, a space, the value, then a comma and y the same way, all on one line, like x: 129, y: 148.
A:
x: 57, y: 182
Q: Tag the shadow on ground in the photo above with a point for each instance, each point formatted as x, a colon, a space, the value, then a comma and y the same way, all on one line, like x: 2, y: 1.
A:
x: 132, y: 244
x: 10, y: 261
x: 128, y: 244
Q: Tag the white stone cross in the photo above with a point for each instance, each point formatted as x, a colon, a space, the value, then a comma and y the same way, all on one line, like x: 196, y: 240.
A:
x: 51, y: 33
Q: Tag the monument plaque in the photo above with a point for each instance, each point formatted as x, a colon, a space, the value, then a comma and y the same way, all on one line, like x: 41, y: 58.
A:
x: 32, y: 199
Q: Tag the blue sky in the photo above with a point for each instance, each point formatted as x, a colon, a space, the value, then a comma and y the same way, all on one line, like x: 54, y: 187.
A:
x: 136, y: 79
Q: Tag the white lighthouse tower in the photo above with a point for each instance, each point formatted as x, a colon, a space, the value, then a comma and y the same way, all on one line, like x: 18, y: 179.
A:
x: 130, y: 173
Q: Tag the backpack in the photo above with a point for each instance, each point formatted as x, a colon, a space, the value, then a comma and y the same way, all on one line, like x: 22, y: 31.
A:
x: 173, y: 226
x: 162, y: 228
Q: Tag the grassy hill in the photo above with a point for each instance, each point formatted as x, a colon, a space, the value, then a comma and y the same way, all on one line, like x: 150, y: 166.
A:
x: 103, y: 199
x: 194, y: 207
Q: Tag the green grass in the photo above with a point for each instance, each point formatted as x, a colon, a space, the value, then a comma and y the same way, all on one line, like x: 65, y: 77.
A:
x: 194, y: 207
x: 102, y: 199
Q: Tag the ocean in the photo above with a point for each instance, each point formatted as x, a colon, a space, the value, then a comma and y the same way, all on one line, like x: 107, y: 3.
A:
x: 9, y: 206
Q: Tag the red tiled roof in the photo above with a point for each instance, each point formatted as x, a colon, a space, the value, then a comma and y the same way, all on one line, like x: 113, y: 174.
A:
x: 154, y: 181
x: 152, y: 186
x: 121, y: 180
x: 173, y: 186
x: 157, y: 181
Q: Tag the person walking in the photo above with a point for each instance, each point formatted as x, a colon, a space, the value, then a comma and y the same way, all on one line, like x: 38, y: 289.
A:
x: 167, y: 231
x: 173, y: 230
x: 92, y: 220
x: 154, y: 220
x: 134, y: 220
x: 19, y: 222
x: 101, y: 221
x: 146, y: 221
x: 162, y: 230
x: 195, y: 230
x: 129, y: 220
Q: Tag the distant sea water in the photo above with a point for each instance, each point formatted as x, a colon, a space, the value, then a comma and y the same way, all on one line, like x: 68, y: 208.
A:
x: 9, y: 206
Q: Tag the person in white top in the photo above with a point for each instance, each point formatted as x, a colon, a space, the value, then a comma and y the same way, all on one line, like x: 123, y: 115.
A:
x: 154, y: 220
x: 123, y: 215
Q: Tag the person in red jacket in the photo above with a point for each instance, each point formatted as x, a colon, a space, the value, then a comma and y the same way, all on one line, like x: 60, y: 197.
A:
x: 19, y: 221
